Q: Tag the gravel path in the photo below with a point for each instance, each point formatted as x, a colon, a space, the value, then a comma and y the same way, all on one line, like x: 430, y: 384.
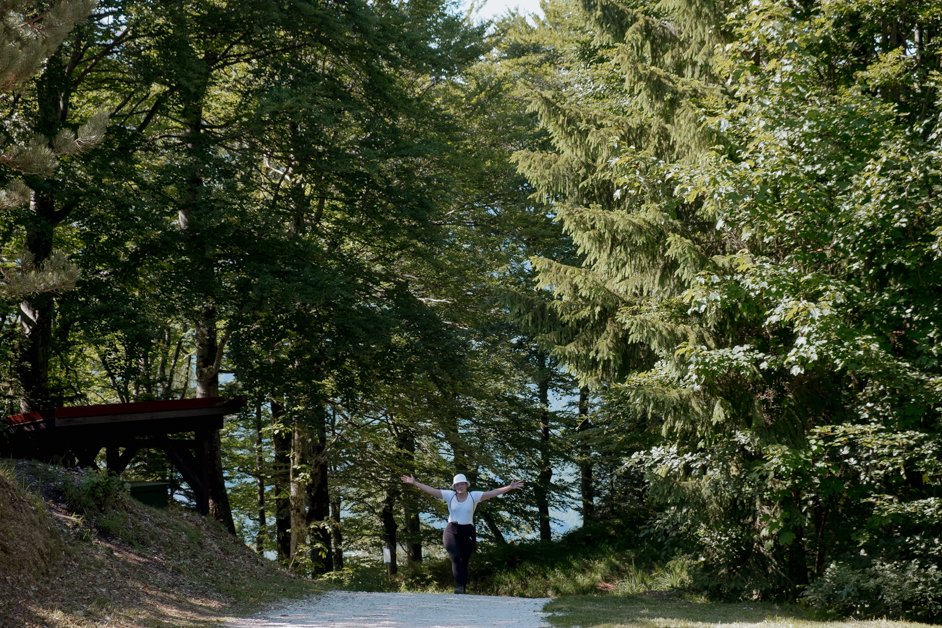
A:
x: 343, y: 609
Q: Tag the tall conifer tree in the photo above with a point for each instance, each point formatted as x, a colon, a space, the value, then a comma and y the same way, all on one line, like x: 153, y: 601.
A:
x: 709, y: 162
x: 38, y: 79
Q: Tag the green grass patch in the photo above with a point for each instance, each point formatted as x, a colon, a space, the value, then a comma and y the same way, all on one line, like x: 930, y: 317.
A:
x: 619, y: 574
x: 675, y: 610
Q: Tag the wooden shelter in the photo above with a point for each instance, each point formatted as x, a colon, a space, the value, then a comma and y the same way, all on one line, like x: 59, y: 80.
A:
x: 182, y: 429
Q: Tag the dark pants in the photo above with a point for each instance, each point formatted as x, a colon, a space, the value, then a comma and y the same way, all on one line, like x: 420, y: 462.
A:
x: 460, y: 541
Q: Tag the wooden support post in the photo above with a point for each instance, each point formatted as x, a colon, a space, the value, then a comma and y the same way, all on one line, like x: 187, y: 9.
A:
x: 205, y: 466
x: 130, y: 450
x: 85, y: 456
x: 185, y: 454
x: 112, y: 459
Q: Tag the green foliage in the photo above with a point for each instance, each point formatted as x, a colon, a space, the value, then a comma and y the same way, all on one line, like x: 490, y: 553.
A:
x: 93, y: 494
x: 30, y: 41
x: 723, y: 220
x: 32, y: 150
x: 358, y: 578
x: 751, y: 194
x: 432, y: 575
x: 590, y: 559
x: 872, y: 589
x: 607, y: 558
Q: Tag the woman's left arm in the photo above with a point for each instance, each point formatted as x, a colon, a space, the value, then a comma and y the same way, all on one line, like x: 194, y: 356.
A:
x: 514, y: 485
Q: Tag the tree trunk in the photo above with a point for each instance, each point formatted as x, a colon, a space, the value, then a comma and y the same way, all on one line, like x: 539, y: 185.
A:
x: 36, y: 314
x: 190, y: 218
x: 300, y: 475
x: 458, y: 446
x: 390, y: 528
x: 545, y: 477
x: 281, y: 471
x: 318, y: 509
x: 820, y: 520
x: 207, y: 385
x: 405, y: 438
x: 208, y: 348
x: 336, y: 533
x: 797, y: 556
x: 493, y: 528
x: 219, y: 507
x: 413, y: 530
x: 586, y: 479
x: 53, y: 93
x: 261, y: 534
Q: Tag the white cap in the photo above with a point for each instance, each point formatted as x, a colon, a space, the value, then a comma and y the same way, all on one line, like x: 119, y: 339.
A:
x: 459, y: 478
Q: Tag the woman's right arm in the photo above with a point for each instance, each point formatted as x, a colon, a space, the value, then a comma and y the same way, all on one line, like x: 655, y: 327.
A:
x: 434, y: 492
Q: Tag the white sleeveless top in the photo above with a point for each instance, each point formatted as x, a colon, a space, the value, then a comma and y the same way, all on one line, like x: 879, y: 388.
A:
x: 461, y: 512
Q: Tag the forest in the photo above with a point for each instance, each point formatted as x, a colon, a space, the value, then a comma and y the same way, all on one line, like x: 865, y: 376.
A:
x: 677, y: 264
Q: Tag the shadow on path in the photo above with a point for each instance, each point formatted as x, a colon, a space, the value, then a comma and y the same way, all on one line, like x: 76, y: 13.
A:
x: 344, y: 609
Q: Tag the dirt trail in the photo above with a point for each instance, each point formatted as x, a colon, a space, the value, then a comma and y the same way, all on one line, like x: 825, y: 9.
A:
x: 343, y: 609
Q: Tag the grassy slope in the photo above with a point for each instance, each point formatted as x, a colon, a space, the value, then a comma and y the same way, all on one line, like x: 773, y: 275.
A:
x: 121, y: 565
x: 674, y: 610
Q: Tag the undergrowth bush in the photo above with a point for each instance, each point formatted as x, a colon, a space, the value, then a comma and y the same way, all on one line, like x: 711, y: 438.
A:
x: 601, y: 558
x: 93, y: 493
x: 432, y: 575
x: 585, y: 560
x: 96, y: 499
x: 904, y: 589
x: 675, y: 575
x: 607, y: 557
x: 370, y: 578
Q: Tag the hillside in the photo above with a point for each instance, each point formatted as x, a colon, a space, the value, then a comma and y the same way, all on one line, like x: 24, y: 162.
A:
x: 76, y: 550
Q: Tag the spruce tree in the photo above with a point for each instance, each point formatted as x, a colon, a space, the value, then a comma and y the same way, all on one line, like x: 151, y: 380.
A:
x: 714, y: 169
x: 36, y: 84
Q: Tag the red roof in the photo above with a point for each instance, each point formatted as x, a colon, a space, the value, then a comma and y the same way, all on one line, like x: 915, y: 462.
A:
x: 137, y: 407
x: 134, y: 411
x: 23, y: 419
